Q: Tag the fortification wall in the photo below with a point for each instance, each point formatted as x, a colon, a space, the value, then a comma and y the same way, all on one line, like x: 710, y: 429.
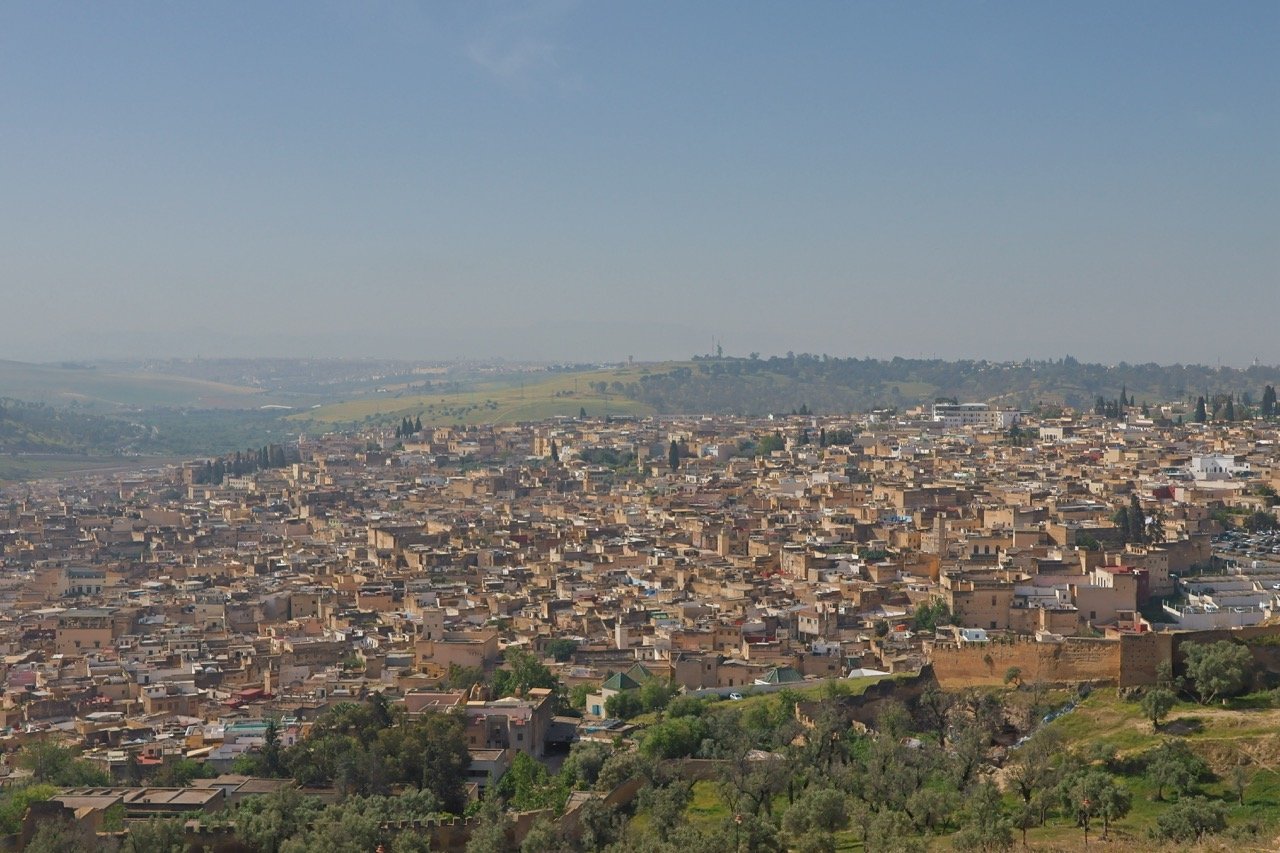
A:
x: 1129, y: 661
x: 1072, y: 661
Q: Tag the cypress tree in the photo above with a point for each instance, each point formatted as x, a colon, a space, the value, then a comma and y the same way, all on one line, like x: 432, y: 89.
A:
x: 1121, y: 519
x: 1229, y: 413
x: 673, y: 455
x: 1137, y: 521
x: 1201, y: 414
x: 555, y: 452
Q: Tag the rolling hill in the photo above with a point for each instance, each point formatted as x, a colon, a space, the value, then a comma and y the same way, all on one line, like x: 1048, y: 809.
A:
x: 104, y: 389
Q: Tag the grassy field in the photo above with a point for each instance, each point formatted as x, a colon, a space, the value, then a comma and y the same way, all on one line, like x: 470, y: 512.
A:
x: 101, y: 390
x: 508, y: 399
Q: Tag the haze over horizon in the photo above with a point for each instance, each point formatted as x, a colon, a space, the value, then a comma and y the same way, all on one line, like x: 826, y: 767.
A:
x: 577, y: 181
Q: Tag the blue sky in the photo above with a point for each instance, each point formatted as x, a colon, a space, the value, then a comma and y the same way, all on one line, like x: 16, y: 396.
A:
x: 594, y: 180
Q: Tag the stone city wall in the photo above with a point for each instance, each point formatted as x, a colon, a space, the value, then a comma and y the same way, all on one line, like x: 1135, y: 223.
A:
x: 1072, y: 661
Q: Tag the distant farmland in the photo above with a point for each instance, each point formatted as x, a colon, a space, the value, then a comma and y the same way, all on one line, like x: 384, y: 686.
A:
x: 101, y: 389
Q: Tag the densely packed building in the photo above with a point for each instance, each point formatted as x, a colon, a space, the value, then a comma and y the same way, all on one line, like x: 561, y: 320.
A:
x: 162, y: 616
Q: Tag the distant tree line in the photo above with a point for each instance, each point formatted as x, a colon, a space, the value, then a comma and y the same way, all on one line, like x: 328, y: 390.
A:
x: 237, y: 464
x: 833, y: 385
x: 409, y: 427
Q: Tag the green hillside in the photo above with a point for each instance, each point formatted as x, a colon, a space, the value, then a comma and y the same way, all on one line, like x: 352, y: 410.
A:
x: 510, y: 398
x: 1222, y: 757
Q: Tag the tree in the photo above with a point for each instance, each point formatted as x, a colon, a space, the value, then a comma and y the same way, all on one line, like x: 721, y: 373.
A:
x: 1087, y: 794
x: 59, y: 836
x: 267, y: 822
x: 986, y: 826
x: 1239, y: 782
x: 1137, y: 521
x: 1155, y: 528
x: 810, y: 822
x: 1217, y: 670
x: 1189, y: 820
x: 1229, y: 412
x: 1260, y: 521
x: 1156, y: 703
x: 624, y: 705
x: 582, y: 412
x: 824, y: 809
x: 15, y: 802
x: 544, y: 837
x: 489, y: 832
x: 673, y: 456
x: 1268, y: 401
x: 931, y: 809
x: 431, y: 754
x: 586, y: 760
x: 527, y: 786
x: 1115, y: 801
x: 1121, y: 521
x: 929, y: 616
x: 749, y: 783
x: 769, y: 443
x: 156, y: 836
x: 180, y: 773
x: 520, y: 673
x: 934, y: 706
x: 1032, y: 769
x: 1202, y: 415
x: 49, y: 762
x: 673, y: 738
x: 665, y: 805
x: 622, y: 766
x: 562, y: 649
x: 1172, y: 765
x: 555, y: 452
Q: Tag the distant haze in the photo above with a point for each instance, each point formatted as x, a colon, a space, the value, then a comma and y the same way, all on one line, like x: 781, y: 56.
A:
x: 562, y: 180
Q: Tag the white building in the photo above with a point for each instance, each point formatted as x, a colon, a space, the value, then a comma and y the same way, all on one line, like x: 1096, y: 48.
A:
x: 1216, y: 467
x: 957, y: 415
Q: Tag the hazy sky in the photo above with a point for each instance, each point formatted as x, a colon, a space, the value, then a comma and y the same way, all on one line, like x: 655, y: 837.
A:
x: 597, y: 180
